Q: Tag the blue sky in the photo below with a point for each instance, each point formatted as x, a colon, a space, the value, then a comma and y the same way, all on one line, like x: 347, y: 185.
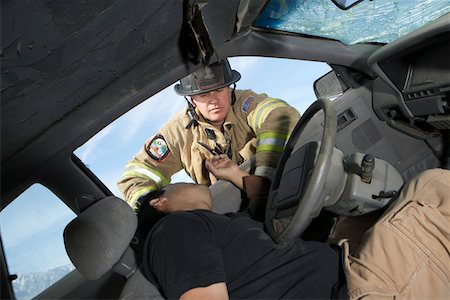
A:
x: 28, y: 222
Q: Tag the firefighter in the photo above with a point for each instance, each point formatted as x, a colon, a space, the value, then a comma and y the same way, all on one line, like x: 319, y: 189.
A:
x: 218, y: 120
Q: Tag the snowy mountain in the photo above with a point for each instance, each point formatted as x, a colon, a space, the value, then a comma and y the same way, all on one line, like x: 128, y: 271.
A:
x: 28, y: 285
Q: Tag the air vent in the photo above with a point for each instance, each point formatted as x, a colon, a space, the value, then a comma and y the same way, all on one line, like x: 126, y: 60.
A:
x: 439, y: 121
x: 345, y: 118
x: 420, y: 94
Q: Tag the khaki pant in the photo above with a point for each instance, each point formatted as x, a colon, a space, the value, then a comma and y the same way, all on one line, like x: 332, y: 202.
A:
x: 406, y: 254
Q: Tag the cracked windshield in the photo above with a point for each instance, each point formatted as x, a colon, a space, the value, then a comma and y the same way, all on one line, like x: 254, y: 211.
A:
x: 380, y: 21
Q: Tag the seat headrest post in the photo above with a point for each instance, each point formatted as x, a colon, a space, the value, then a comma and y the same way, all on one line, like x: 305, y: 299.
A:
x: 127, y: 265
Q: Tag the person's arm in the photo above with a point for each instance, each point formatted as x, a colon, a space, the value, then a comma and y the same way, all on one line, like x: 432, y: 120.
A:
x: 272, y: 120
x: 149, y: 170
x: 216, y: 291
x: 255, y: 189
x: 224, y: 168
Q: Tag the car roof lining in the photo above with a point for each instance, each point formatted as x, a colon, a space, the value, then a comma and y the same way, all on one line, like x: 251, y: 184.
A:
x: 64, y: 63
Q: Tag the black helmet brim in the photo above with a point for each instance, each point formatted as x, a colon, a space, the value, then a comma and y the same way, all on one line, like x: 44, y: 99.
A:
x: 207, y: 79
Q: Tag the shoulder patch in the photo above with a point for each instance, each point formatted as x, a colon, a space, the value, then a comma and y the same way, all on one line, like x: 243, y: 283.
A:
x: 247, y: 103
x: 157, y: 148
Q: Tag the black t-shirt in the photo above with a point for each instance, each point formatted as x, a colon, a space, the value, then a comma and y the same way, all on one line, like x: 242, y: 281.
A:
x: 198, y: 248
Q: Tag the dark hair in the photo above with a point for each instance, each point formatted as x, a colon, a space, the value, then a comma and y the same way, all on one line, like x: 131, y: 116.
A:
x: 147, y: 218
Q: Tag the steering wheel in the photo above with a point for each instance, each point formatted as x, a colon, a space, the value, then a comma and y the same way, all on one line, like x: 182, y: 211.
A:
x: 297, y: 193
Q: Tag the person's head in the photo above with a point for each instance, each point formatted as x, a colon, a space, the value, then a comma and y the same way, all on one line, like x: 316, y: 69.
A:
x: 209, y: 90
x: 183, y: 197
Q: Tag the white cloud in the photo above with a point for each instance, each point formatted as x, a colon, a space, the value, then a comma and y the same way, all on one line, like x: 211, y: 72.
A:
x: 148, y: 116
x: 243, y: 64
x: 151, y: 114
x: 85, y: 151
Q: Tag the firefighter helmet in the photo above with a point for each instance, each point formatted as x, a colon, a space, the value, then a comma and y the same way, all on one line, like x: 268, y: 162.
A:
x: 208, y: 78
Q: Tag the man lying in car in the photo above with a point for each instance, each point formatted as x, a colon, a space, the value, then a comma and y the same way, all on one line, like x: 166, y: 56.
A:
x: 194, y: 253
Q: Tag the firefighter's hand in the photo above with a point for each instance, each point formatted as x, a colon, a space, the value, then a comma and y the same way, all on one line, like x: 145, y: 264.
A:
x: 224, y: 168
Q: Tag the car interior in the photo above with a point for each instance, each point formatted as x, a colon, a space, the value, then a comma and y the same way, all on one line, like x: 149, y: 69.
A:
x: 68, y: 69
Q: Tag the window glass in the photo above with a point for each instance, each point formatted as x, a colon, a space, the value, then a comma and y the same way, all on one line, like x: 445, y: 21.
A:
x: 107, y: 152
x: 359, y: 24
x: 32, y: 232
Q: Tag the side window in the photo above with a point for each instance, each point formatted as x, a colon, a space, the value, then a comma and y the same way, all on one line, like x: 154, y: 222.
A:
x: 32, y: 232
x: 107, y: 153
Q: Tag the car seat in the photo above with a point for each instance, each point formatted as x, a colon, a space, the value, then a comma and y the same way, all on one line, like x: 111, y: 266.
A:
x: 98, y: 241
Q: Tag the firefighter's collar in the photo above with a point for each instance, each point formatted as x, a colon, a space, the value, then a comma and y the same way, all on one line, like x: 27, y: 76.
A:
x: 230, y: 120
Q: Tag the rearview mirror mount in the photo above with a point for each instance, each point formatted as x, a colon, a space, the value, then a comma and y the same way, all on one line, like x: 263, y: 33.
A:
x: 345, y: 4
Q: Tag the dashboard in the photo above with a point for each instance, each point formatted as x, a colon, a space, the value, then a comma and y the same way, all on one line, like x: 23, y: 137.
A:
x: 422, y: 75
x: 417, y: 69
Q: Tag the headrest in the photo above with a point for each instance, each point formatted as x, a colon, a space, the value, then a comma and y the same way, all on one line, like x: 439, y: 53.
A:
x: 97, y: 238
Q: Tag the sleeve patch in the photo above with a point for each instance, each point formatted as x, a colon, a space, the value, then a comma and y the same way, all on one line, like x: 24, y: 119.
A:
x: 157, y: 148
x: 247, y: 103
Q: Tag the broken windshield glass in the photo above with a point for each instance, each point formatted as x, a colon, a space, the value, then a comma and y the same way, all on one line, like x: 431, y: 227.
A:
x: 380, y: 21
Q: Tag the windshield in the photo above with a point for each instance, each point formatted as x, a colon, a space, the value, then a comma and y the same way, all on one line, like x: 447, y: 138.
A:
x: 379, y: 21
